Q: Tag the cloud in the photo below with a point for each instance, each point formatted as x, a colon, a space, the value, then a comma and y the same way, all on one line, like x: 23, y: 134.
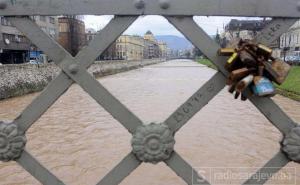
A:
x: 159, y: 25
x: 97, y: 22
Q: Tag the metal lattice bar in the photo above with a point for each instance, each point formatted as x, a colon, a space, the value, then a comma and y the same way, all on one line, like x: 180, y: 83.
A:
x: 37, y: 170
x: 274, y: 30
x: 121, y: 171
x: 196, y: 102
x: 262, y: 8
x: 199, y: 38
x: 74, y: 70
x: 51, y: 93
x: 106, y: 100
x: 184, y: 170
x: 59, y: 85
x: 271, y: 167
x: 274, y: 114
x: 189, y: 28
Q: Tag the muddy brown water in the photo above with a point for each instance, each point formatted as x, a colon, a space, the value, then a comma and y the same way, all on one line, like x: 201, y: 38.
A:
x: 80, y: 142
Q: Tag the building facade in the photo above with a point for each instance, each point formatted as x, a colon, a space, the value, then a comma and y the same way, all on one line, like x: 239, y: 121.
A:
x: 49, y: 24
x: 241, y: 29
x: 151, y: 49
x: 71, y: 34
x: 130, y: 47
x: 14, y: 46
x: 290, y: 41
x: 163, y: 48
x: 246, y: 29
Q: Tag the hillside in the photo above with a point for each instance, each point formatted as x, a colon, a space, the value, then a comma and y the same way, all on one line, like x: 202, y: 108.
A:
x: 175, y: 42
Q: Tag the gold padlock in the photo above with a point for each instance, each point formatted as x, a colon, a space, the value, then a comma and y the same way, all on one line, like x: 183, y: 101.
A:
x: 264, y: 50
x: 233, y: 62
x: 226, y: 51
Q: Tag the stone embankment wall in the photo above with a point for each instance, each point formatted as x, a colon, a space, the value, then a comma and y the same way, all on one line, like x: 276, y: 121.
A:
x: 17, y: 80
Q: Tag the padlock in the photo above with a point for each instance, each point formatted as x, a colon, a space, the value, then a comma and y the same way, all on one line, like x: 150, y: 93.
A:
x: 263, y: 86
x: 243, y: 97
x: 277, y: 70
x: 261, y: 69
x: 233, y: 63
x: 244, y: 83
x: 264, y: 50
x: 226, y: 51
x: 239, y: 74
x: 247, y: 59
x: 231, y: 88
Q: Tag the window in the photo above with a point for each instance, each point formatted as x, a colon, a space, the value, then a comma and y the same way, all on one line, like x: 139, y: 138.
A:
x: 5, y: 22
x: 15, y: 38
x: 52, y: 20
x: 52, y: 32
x: 44, y: 28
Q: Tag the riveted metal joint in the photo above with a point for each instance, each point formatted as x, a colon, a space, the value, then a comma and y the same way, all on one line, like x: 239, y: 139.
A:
x: 139, y: 4
x: 291, y: 144
x: 3, y: 5
x: 153, y: 143
x: 164, y: 4
x: 298, y: 5
x: 12, y: 142
x: 73, y: 68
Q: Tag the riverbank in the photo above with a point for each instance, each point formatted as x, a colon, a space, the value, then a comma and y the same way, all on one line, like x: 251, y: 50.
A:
x: 290, y: 88
x: 18, y: 80
x: 207, y: 62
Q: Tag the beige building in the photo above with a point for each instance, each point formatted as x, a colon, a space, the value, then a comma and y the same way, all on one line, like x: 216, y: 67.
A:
x: 151, y: 49
x: 149, y: 36
x: 163, y: 49
x: 130, y: 47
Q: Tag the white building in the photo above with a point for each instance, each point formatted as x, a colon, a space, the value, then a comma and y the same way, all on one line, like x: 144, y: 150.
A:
x: 290, y: 41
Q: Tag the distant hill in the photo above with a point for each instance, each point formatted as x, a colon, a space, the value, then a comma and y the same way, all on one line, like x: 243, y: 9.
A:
x: 175, y: 42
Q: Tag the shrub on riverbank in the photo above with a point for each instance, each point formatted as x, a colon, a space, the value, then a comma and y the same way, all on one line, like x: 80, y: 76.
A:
x: 208, y: 63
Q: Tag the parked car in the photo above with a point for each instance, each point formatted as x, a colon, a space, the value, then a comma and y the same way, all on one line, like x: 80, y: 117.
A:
x: 292, y: 60
x: 35, y: 62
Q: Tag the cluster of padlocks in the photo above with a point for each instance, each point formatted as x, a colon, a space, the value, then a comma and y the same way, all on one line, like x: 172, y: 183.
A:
x: 252, y: 65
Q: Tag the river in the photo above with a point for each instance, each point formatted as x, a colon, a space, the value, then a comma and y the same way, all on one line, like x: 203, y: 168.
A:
x: 80, y: 142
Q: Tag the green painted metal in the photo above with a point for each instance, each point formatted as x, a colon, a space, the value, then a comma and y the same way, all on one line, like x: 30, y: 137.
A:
x: 155, y: 142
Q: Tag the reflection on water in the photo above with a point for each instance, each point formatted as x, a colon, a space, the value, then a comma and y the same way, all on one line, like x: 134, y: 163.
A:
x: 80, y: 142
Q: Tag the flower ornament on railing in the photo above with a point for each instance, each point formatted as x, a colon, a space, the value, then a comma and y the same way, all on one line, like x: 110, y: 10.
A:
x: 153, y: 143
x: 291, y: 144
x: 12, y: 142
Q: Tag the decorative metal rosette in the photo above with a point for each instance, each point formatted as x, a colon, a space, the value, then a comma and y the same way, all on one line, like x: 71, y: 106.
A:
x: 153, y: 143
x: 12, y: 142
x: 291, y: 144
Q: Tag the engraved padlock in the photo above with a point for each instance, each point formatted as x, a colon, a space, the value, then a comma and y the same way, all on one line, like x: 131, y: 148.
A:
x: 263, y: 86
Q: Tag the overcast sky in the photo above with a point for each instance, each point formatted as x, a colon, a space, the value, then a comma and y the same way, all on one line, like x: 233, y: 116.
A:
x: 159, y: 25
